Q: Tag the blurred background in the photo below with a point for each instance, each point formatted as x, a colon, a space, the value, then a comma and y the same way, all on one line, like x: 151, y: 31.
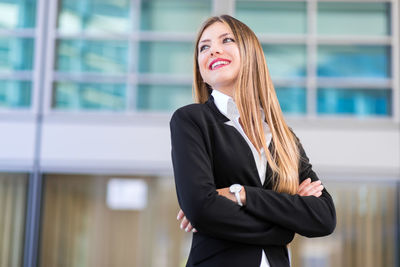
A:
x: 87, y: 88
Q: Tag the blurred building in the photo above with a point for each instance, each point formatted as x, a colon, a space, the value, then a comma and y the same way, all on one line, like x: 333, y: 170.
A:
x: 87, y: 88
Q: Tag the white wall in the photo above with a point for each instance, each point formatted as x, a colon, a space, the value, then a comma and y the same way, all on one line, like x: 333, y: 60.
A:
x: 142, y: 146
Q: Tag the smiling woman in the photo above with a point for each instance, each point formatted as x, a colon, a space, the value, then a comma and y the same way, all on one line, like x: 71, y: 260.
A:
x: 218, y: 58
x: 244, y: 182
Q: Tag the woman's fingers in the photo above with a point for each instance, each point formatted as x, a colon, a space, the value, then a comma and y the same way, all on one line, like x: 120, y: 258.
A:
x: 304, y: 184
x: 185, y: 224
x: 316, y: 190
x: 180, y: 215
x: 311, y: 189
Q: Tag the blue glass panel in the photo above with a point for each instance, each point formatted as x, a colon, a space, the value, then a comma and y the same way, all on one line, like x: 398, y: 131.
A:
x: 92, y: 56
x: 353, y: 18
x: 354, y: 61
x: 163, y: 98
x: 166, y: 57
x: 359, y: 102
x: 275, y: 17
x: 174, y: 15
x: 94, y: 16
x: 286, y: 61
x: 16, y: 54
x: 292, y: 99
x: 15, y: 94
x: 17, y: 14
x: 89, y: 96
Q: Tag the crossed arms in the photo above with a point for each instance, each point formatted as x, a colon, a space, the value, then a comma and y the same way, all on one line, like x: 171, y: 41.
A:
x: 268, y: 218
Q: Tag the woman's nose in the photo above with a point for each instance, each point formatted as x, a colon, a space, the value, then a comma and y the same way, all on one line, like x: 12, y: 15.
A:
x: 216, y: 49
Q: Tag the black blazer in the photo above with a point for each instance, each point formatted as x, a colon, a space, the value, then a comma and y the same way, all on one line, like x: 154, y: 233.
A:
x: 208, y: 154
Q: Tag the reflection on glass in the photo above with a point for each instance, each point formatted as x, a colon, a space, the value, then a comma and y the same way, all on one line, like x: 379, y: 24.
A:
x: 166, y: 57
x: 353, y: 18
x: 89, y: 96
x: 81, y: 230
x: 173, y: 15
x: 94, y: 16
x: 17, y: 14
x: 292, y: 99
x: 273, y: 17
x: 354, y: 61
x: 359, y: 102
x: 163, y: 98
x: 16, y: 54
x: 366, y: 229
x: 13, y: 190
x: 286, y: 61
x: 92, y: 56
x: 15, y: 94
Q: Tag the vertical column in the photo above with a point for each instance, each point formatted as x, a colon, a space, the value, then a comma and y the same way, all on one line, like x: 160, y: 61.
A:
x: 223, y: 7
x: 394, y: 23
x: 311, y: 58
x: 32, y: 222
x: 133, y: 68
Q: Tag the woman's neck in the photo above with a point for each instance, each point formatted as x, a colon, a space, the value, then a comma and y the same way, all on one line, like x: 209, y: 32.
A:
x: 226, y: 91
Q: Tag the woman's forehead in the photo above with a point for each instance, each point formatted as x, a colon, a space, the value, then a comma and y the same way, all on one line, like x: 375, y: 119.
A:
x: 215, y: 30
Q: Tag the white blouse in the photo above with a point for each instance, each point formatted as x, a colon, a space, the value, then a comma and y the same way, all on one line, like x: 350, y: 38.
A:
x: 227, y: 106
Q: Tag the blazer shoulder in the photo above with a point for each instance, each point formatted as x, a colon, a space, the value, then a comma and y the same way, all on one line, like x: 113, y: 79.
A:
x: 192, y: 112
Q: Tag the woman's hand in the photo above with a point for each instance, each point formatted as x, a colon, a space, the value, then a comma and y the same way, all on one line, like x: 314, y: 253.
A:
x: 306, y: 188
x: 185, y: 224
x: 226, y: 193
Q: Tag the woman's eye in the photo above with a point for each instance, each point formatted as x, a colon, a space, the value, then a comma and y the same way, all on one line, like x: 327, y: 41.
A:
x: 228, y: 40
x: 203, y: 47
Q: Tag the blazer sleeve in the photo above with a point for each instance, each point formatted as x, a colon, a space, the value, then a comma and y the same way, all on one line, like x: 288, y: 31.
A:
x: 207, y: 211
x: 307, y: 215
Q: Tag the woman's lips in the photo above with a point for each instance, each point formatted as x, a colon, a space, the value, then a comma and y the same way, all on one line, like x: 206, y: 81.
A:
x: 222, y: 61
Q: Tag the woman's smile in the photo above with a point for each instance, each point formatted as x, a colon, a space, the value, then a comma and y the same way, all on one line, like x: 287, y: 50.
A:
x: 219, y: 63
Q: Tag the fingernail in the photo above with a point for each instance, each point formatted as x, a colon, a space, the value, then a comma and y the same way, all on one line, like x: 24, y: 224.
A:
x: 181, y: 226
x: 177, y: 217
x: 194, y: 230
x: 187, y: 229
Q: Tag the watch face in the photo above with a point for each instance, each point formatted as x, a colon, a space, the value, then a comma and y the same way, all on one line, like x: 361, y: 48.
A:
x: 235, y: 188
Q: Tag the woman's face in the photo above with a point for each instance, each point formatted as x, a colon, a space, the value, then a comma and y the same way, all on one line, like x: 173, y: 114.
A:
x: 218, y: 57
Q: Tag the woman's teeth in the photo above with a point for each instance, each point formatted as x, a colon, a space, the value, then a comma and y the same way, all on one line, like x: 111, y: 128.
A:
x: 218, y: 63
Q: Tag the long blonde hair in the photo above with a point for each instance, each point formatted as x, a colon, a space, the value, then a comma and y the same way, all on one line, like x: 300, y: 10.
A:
x: 254, y: 90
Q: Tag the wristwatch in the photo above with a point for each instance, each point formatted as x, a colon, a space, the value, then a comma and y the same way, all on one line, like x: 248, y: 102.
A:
x: 235, y: 189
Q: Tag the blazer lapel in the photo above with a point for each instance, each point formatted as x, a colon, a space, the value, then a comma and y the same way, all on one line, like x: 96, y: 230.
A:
x: 223, y: 119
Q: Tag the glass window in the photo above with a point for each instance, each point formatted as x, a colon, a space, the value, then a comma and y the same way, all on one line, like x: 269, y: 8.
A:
x: 366, y: 229
x: 286, y: 61
x: 17, y: 14
x: 292, y: 99
x: 92, y: 56
x: 15, y: 94
x: 353, y: 18
x: 273, y: 17
x: 94, y: 16
x: 163, y: 97
x: 16, y: 54
x: 173, y: 15
x: 13, y: 191
x: 360, y: 61
x: 82, y: 228
x: 89, y: 96
x: 166, y: 57
x: 359, y: 102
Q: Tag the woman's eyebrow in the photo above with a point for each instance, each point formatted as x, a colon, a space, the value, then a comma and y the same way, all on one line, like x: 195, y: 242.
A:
x: 208, y: 40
